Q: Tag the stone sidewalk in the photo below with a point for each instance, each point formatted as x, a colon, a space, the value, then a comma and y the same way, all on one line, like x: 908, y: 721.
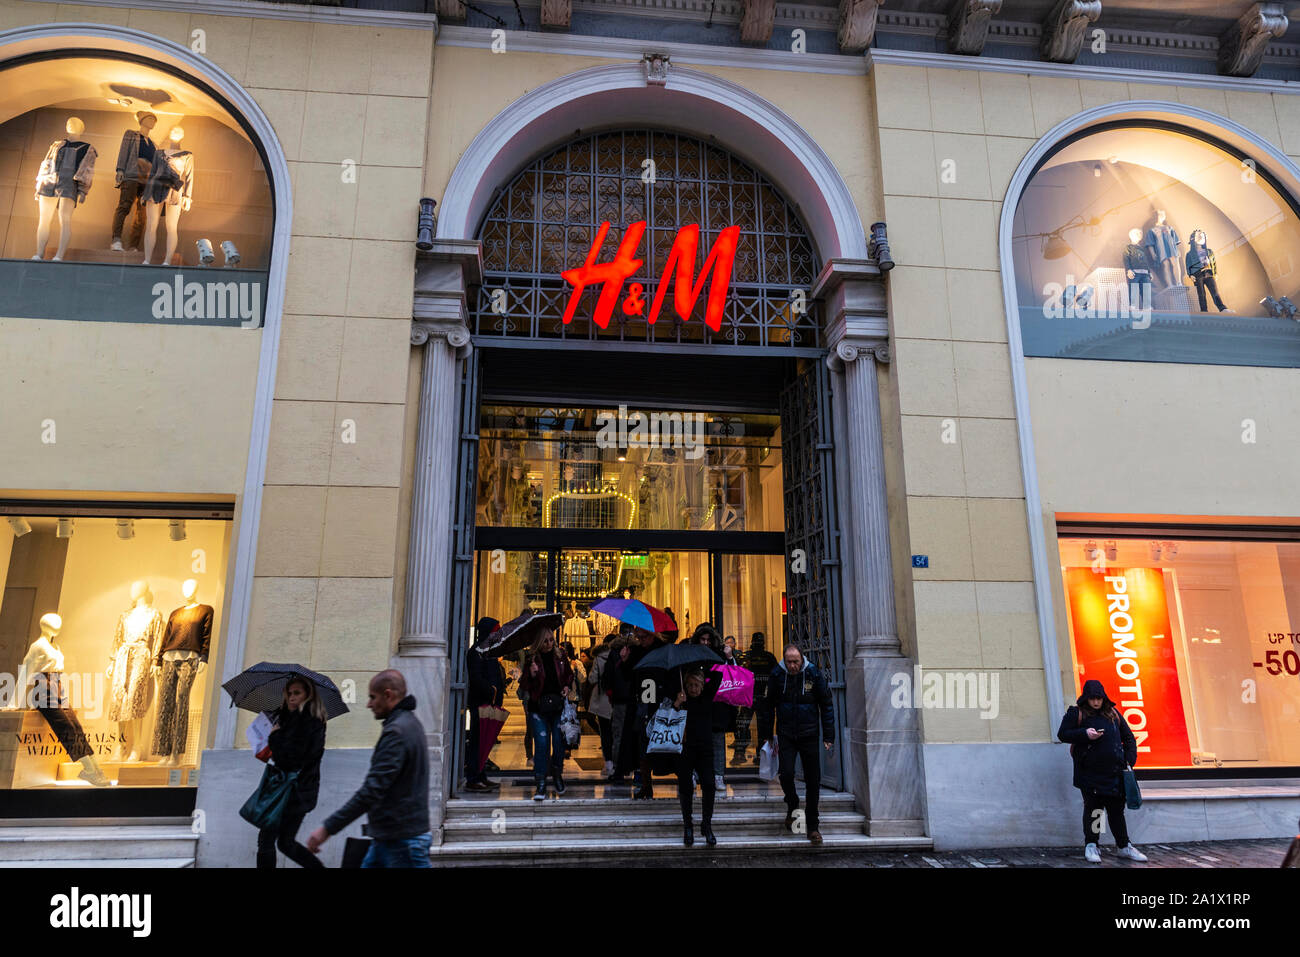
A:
x: 1206, y: 854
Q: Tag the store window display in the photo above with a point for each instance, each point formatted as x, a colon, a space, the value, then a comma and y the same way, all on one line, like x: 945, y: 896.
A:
x: 135, y: 158
x: 126, y: 691
x: 63, y: 181
x: 1123, y: 211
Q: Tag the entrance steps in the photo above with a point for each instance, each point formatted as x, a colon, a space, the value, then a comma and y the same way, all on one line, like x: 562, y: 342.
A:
x: 165, y: 843
x: 597, y: 824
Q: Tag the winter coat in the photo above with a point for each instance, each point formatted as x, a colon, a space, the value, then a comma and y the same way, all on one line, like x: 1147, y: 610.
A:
x: 1098, y: 764
x: 395, y: 794
x: 298, y: 744
x: 699, y: 714
x: 600, y: 704
x: 532, y: 685
x: 1200, y: 259
x: 486, y: 683
x: 799, y: 703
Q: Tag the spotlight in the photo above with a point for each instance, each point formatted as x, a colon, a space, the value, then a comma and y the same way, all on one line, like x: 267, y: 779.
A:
x: 1155, y: 551
x: 1289, y: 308
x: 20, y: 527
x: 1091, y: 551
x: 64, y: 528
x: 1112, y: 551
x: 231, y: 253
x: 1273, y: 306
x: 176, y: 529
x: 1171, y: 549
x: 427, y: 221
x: 126, y: 528
x: 878, y: 247
x: 206, y: 256
x: 1096, y: 170
x: 1084, y: 298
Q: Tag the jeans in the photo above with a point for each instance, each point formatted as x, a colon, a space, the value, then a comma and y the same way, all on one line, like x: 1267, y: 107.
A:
x: 700, y: 759
x: 546, y: 738
x: 284, y: 837
x: 810, y: 750
x: 1114, y: 807
x: 719, y: 751
x: 404, y: 852
x: 743, y: 717
x: 1206, y: 281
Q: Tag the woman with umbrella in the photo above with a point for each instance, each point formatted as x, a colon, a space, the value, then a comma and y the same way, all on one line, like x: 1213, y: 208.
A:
x: 297, y: 743
x: 696, y: 699
x: 546, y: 678
x: 299, y: 701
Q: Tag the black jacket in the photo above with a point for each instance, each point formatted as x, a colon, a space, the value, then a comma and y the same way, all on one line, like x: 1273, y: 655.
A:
x: 395, y: 794
x: 799, y: 703
x: 298, y: 745
x: 1098, y: 764
x: 699, y: 715
x: 487, y: 685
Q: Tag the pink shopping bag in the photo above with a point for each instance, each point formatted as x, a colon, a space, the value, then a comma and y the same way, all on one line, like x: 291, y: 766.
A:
x: 737, y: 686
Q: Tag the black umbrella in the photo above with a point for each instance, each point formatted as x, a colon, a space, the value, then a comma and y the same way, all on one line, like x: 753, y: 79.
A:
x: 678, y: 656
x: 518, y: 634
x: 261, y: 688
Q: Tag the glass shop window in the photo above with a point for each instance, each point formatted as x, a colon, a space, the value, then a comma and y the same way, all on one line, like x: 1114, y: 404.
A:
x: 1154, y: 243
x: 1197, y: 641
x: 107, y: 627
x: 115, y: 174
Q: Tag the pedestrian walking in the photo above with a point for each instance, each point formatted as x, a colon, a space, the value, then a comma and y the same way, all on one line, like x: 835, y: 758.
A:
x: 697, y: 755
x: 486, y: 686
x: 297, y: 743
x: 600, y: 705
x: 395, y: 794
x: 760, y: 663
x: 1103, y: 747
x: 798, y: 701
x: 546, y: 679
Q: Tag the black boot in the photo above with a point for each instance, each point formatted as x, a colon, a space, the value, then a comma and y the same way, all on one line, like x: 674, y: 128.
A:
x: 706, y: 828
x: 688, y: 835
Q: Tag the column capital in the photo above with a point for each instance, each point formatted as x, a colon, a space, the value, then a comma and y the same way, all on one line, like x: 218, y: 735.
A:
x: 455, y: 334
x: 443, y: 278
x: 851, y: 350
x: 855, y: 300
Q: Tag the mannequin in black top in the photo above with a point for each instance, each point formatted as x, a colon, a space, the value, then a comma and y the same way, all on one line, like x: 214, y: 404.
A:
x: 696, y: 699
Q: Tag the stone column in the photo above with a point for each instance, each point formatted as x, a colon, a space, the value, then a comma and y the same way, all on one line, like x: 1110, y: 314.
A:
x: 884, y: 767
x: 442, y: 279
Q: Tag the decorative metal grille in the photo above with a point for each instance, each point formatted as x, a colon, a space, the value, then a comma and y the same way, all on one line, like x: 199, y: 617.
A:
x: 545, y: 220
x: 812, y: 587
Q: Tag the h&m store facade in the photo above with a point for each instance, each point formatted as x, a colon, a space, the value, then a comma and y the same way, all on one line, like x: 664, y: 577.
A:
x: 950, y: 464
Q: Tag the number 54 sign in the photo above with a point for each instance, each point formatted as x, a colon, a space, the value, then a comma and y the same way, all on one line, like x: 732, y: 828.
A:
x: 680, y: 266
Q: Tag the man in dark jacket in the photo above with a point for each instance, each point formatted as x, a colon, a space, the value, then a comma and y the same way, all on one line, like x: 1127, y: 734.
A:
x: 395, y: 795
x: 487, y: 686
x: 1102, y: 746
x: 799, y: 700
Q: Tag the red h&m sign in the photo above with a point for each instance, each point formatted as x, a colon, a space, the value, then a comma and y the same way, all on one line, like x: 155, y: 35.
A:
x: 681, y: 261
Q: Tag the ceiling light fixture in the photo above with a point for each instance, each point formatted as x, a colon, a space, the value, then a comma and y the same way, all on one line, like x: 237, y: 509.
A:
x: 126, y: 528
x: 20, y: 526
x: 176, y: 529
x: 64, y: 528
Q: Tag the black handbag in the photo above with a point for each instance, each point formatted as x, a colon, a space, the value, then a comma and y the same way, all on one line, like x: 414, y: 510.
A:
x: 550, y: 705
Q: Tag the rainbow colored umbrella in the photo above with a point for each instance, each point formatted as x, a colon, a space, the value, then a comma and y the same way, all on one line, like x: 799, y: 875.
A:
x: 633, y: 612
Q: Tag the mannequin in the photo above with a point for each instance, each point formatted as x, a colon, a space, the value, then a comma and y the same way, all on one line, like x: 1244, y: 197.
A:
x: 181, y: 658
x: 139, y: 631
x: 170, y: 187
x: 43, y: 664
x: 1162, y: 250
x: 1137, y: 267
x: 1202, y: 268
x: 63, y: 181
x: 134, y: 162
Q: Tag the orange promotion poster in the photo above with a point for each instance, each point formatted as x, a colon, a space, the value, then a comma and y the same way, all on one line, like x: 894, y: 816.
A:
x: 1122, y: 638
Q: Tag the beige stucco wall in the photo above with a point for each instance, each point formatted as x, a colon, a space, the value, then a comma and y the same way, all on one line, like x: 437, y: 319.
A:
x: 974, y: 605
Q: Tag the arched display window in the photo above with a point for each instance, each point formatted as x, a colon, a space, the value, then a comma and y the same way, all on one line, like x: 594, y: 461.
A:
x: 112, y: 166
x: 1150, y: 241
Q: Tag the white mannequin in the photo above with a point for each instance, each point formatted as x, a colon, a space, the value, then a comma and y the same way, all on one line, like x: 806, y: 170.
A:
x: 189, y: 591
x: 172, y: 214
x: 64, y: 204
x: 138, y: 617
x: 45, y: 656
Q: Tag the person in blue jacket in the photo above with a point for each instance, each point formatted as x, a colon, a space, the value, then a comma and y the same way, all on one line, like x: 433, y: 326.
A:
x: 798, y: 700
x: 1102, y: 746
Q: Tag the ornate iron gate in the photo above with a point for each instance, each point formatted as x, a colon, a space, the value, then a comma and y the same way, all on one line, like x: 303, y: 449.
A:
x: 812, y: 559
x: 462, y: 567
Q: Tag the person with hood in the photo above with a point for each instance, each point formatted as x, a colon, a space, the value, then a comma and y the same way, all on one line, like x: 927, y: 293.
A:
x: 546, y: 679
x: 297, y: 743
x: 696, y: 758
x: 798, y: 700
x: 616, y: 680
x: 395, y: 794
x: 760, y: 663
x: 723, y: 714
x: 1102, y: 746
x: 486, y: 686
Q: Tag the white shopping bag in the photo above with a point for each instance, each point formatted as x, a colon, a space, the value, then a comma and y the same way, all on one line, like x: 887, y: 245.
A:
x: 569, y: 725
x: 259, y: 735
x: 665, y: 731
x: 768, y: 764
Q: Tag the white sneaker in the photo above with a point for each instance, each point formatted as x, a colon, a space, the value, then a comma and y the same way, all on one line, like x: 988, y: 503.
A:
x: 1092, y: 854
x: 117, y: 246
x: 38, y: 258
x: 718, y: 783
x: 1131, y: 852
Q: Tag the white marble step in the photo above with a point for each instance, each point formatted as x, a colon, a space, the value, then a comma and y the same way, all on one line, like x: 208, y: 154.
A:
x: 107, y: 842
x: 659, y: 823
x: 576, y: 850
x: 161, y: 863
x: 576, y: 803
